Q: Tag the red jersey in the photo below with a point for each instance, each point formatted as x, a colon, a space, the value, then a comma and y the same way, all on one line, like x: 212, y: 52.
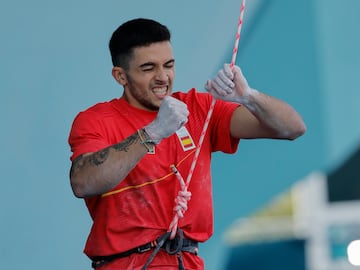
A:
x: 140, y: 207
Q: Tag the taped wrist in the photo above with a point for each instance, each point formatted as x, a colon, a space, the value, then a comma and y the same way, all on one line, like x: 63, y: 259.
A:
x: 151, y: 131
x: 146, y: 140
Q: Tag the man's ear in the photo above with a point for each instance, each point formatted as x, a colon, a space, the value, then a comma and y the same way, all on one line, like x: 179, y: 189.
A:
x: 119, y: 75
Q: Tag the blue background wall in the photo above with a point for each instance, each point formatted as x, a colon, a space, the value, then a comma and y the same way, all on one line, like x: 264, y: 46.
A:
x: 54, y: 62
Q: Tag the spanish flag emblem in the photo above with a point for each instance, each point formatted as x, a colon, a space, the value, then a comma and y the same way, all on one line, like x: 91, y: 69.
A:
x: 185, y: 139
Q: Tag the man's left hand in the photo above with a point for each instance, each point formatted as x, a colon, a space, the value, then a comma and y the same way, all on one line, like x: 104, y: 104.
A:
x: 230, y: 85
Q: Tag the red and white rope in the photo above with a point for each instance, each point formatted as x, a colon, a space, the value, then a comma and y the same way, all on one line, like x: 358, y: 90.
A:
x: 184, y: 195
x: 237, y: 37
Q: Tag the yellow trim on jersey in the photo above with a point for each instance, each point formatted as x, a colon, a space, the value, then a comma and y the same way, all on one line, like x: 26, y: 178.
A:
x: 146, y: 183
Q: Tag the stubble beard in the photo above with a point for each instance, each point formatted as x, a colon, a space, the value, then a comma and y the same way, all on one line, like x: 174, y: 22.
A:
x: 142, y: 98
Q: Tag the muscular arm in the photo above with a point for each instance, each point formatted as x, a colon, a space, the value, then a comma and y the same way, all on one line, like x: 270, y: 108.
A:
x: 98, y: 172
x: 263, y: 116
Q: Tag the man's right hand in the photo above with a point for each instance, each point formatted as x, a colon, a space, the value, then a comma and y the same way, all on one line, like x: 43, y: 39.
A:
x: 172, y: 115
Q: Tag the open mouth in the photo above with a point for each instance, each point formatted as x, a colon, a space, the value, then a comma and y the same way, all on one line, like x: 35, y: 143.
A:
x: 160, y: 92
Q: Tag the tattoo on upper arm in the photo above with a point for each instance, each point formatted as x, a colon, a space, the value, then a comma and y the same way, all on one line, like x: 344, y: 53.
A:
x: 101, y: 156
x: 124, y: 145
x: 76, y: 164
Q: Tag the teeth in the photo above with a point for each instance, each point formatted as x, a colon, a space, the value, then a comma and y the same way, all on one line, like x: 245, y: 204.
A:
x: 160, y: 90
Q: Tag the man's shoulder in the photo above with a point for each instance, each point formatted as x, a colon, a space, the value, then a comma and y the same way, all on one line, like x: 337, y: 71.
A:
x: 99, y: 107
x: 98, y: 110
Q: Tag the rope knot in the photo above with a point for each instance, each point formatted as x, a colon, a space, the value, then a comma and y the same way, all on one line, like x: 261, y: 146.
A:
x: 181, y: 202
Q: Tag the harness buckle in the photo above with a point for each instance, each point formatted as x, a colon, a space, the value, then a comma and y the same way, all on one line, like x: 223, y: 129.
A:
x: 143, y: 249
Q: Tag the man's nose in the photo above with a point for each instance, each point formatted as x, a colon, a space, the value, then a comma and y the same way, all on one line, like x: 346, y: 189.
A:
x: 162, y: 75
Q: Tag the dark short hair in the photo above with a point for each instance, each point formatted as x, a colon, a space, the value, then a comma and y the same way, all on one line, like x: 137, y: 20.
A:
x: 135, y: 33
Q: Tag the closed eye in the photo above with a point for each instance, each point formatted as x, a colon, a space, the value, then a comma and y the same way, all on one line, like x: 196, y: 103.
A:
x: 147, y: 67
x: 150, y: 66
x: 170, y: 64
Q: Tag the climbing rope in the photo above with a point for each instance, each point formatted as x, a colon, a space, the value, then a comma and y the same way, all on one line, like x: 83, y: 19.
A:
x: 184, y: 195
